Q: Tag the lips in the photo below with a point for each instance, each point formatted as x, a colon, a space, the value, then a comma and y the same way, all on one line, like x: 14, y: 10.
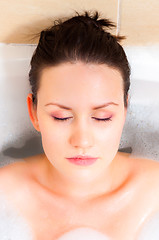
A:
x: 83, y: 157
x: 82, y: 160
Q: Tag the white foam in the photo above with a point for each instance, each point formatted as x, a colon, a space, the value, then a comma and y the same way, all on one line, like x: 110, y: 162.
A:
x: 12, y: 225
x: 83, y: 234
x: 150, y: 229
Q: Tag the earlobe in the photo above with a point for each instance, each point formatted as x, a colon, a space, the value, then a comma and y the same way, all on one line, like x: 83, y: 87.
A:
x: 32, y: 112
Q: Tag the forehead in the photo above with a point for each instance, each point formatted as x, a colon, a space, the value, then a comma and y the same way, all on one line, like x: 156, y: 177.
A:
x: 81, y: 80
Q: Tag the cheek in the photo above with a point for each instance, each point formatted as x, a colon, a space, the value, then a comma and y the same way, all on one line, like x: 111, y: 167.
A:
x: 111, y: 131
x: 109, y: 141
x: 109, y: 137
x: 53, y: 143
x: 51, y: 135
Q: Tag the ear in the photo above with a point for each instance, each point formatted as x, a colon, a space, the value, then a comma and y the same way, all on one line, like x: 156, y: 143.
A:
x: 127, y: 100
x: 32, y: 112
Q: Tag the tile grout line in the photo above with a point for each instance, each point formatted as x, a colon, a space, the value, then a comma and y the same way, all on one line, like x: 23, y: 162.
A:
x: 118, y: 17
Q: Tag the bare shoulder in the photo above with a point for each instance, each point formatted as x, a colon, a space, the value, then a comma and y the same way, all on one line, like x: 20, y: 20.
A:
x: 147, y: 177
x: 140, y: 165
x: 146, y: 166
x: 20, y: 172
x: 143, y: 170
x: 12, y: 175
x: 11, y: 169
x: 17, y: 175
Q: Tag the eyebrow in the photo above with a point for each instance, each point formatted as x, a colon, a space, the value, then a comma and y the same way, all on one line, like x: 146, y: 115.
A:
x: 94, y: 108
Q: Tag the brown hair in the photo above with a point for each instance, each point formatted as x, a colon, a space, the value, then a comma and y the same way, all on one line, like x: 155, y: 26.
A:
x: 80, y: 38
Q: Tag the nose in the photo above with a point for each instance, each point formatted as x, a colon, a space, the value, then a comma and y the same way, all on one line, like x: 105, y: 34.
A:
x: 81, y: 137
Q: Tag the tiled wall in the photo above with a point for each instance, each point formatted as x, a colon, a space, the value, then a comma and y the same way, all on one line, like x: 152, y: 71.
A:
x: 21, y: 18
x: 138, y: 19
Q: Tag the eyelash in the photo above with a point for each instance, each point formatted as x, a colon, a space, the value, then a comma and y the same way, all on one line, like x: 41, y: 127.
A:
x: 98, y: 119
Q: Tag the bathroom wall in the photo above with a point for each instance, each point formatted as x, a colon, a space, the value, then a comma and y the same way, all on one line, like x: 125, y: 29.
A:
x: 140, y: 21
x: 21, y: 18
x: 137, y: 20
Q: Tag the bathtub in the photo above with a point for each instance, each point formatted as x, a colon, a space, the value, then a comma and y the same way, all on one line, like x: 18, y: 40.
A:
x: 19, y: 139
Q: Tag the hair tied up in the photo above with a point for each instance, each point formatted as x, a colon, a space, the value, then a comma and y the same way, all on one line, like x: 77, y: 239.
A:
x: 98, y: 23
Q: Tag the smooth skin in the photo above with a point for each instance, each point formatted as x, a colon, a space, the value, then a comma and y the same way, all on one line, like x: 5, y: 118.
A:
x: 116, y: 194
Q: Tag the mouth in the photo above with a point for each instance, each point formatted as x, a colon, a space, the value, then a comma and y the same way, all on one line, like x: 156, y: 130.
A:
x: 82, y: 160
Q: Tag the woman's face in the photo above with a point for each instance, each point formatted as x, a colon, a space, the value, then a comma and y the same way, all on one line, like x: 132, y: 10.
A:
x: 82, y: 94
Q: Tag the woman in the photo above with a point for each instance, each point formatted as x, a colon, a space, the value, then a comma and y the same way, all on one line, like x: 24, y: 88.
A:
x: 81, y: 187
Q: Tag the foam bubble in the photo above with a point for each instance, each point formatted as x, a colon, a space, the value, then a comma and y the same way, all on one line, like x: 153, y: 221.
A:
x: 150, y: 229
x: 83, y: 234
x: 12, y: 225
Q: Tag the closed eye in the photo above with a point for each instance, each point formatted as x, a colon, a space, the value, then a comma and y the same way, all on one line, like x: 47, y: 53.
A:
x: 103, y: 119
x: 98, y: 119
